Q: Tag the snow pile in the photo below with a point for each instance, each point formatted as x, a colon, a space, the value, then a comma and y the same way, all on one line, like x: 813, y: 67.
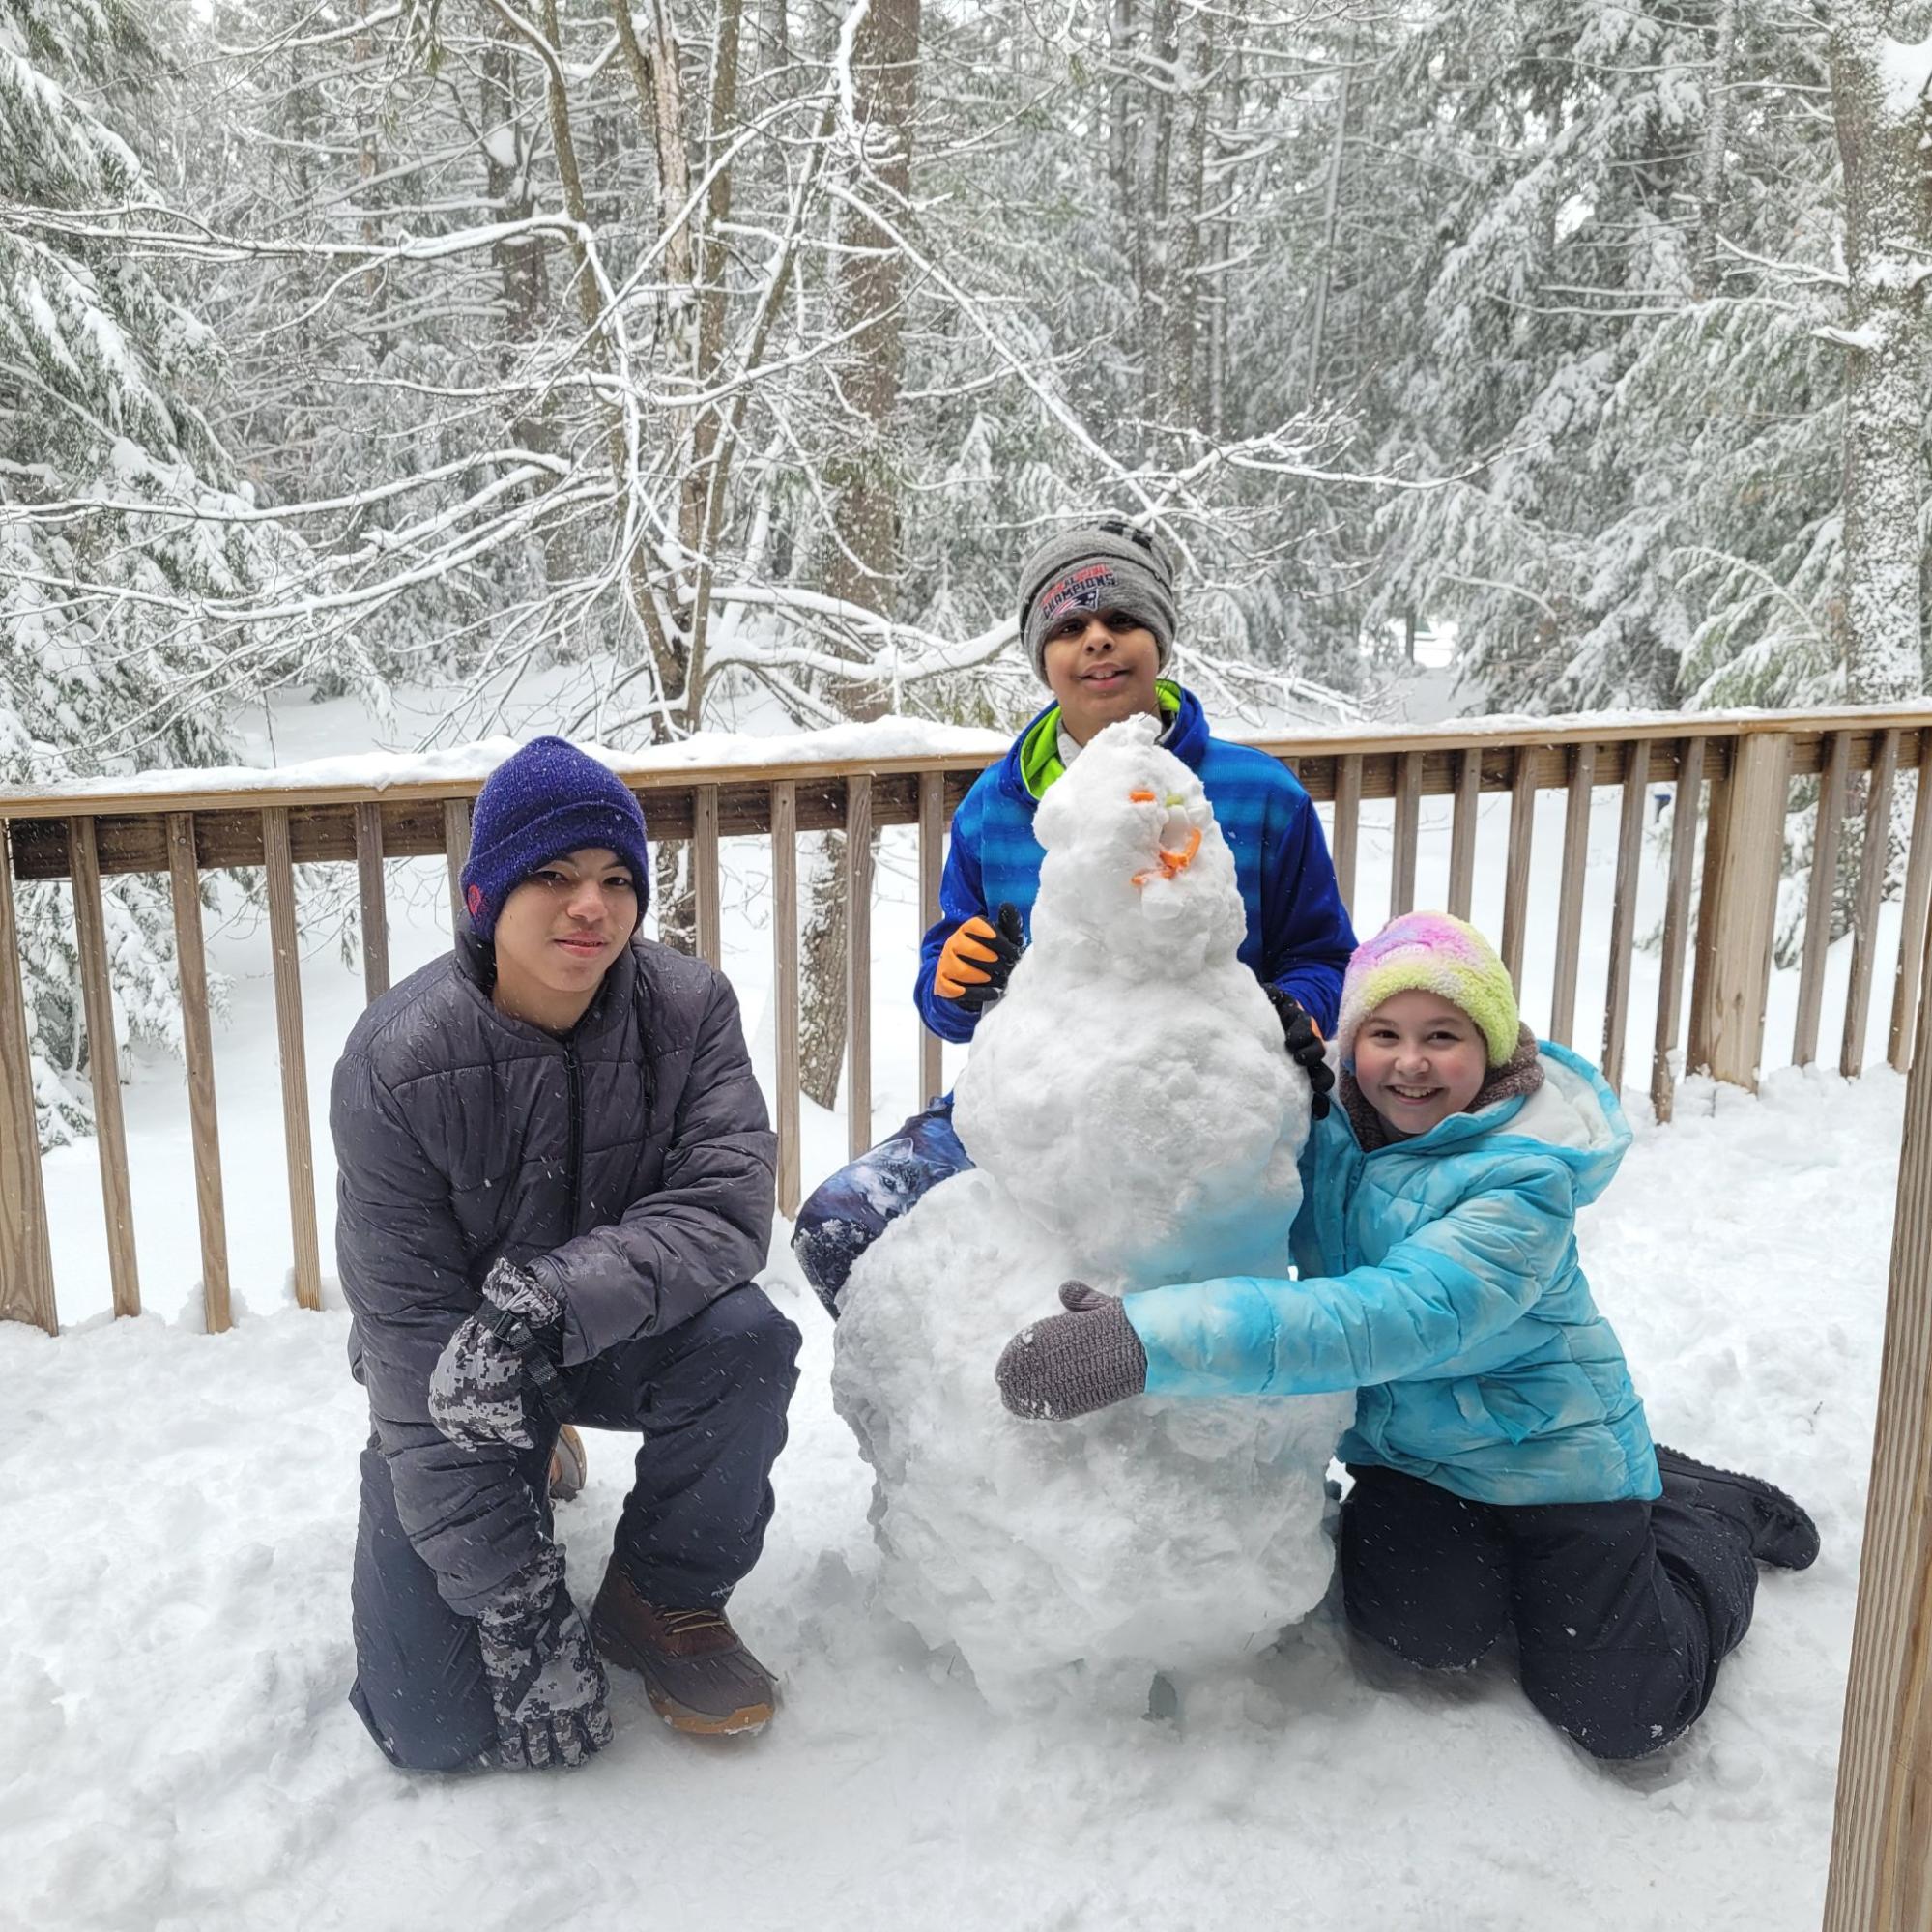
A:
x: 1135, y: 1121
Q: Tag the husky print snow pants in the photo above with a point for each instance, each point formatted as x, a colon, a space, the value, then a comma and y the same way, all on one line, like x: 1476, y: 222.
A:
x: 1622, y: 1612
x: 849, y: 1212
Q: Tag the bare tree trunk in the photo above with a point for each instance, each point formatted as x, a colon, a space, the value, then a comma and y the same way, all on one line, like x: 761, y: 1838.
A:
x: 1221, y: 245
x: 375, y: 282
x: 1119, y: 94
x: 1331, y: 203
x: 863, y: 564
x: 1885, y: 227
x: 821, y: 970
x: 1185, y: 250
x: 522, y: 275
x: 1705, y: 269
x: 774, y: 35
x: 1886, y: 232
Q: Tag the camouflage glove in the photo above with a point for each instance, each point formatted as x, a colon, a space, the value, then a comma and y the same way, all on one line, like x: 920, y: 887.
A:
x: 476, y: 1389
x: 1305, y: 1048
x: 1070, y: 1365
x: 978, y: 960
x: 546, y: 1681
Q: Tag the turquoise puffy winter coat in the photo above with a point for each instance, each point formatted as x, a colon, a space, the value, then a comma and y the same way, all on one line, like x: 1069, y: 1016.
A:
x: 1439, y: 1279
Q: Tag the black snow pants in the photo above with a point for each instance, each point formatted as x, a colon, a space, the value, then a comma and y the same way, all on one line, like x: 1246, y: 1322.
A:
x: 709, y: 1396
x: 1622, y: 1612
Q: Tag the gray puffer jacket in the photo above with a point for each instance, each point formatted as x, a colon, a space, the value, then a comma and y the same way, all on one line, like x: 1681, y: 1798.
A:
x: 630, y: 1166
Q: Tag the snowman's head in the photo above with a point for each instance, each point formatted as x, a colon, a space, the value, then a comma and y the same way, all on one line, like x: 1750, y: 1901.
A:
x: 1135, y: 862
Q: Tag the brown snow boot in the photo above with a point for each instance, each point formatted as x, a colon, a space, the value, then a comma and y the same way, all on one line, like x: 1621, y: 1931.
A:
x: 569, y: 1465
x: 697, y: 1672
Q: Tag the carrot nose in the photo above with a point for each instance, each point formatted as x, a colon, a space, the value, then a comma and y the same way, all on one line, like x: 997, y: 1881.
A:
x: 1173, y: 864
x: 1141, y: 797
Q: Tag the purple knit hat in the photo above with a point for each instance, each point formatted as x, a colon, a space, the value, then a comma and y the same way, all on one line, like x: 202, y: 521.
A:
x: 1431, y: 952
x: 545, y: 800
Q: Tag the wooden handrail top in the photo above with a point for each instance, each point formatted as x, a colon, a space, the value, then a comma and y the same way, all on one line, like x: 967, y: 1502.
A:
x: 99, y: 797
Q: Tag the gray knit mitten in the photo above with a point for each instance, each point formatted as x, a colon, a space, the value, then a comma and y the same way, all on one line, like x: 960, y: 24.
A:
x: 476, y: 1389
x: 1070, y: 1365
x: 547, y: 1683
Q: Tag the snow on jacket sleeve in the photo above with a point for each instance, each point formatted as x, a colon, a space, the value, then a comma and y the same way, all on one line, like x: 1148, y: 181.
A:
x: 962, y: 897
x: 706, y: 1225
x: 467, y: 1512
x: 1307, y: 934
x: 1453, y: 1284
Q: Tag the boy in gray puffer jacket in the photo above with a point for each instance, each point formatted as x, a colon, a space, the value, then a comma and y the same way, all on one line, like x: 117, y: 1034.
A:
x: 556, y: 1183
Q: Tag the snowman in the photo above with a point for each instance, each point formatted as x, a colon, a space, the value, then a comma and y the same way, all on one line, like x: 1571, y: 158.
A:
x: 1134, y: 1120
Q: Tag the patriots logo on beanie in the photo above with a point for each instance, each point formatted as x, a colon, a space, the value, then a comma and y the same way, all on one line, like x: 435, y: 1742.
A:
x: 545, y: 800
x: 1108, y: 565
x: 1078, y: 591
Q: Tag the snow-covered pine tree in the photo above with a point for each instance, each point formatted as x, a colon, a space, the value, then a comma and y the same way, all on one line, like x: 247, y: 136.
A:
x: 119, y: 530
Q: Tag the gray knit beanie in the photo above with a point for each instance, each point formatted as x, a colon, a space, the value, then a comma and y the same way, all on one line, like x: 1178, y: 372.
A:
x: 1096, y: 566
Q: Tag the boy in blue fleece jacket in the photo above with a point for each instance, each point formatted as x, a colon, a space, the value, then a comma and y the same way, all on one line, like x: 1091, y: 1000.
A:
x: 1504, y: 1475
x: 1096, y: 616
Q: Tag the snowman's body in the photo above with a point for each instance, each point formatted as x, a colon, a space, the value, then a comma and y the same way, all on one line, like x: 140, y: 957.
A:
x: 1135, y: 1121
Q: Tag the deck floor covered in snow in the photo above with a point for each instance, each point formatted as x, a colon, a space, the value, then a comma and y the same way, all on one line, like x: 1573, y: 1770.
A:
x: 176, y: 1513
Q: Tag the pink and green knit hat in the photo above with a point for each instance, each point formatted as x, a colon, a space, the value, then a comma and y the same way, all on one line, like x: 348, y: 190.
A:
x: 1431, y: 952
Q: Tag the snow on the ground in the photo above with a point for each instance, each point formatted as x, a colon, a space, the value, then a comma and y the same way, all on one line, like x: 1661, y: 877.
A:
x: 176, y: 1512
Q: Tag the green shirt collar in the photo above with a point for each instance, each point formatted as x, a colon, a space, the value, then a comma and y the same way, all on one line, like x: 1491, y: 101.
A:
x: 1040, y: 764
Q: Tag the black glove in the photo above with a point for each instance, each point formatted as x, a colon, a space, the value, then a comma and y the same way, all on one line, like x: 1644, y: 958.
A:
x: 1306, y: 1047
x: 1070, y: 1365
x: 978, y: 960
x: 476, y: 1389
x: 547, y: 1680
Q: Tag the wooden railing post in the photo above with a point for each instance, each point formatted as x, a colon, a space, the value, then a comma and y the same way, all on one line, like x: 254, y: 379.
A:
x: 1905, y: 987
x: 1463, y: 832
x: 1874, y: 862
x: 103, y: 1066
x: 292, y: 1047
x: 931, y: 858
x: 1517, y: 875
x: 1408, y: 834
x: 1570, y: 892
x: 1676, y: 922
x: 197, y: 1042
x: 785, y: 986
x: 858, y: 966
x: 374, y: 899
x: 1738, y: 911
x: 26, y: 1259
x: 455, y: 853
x: 1348, y: 826
x: 1881, y: 1850
x: 706, y: 884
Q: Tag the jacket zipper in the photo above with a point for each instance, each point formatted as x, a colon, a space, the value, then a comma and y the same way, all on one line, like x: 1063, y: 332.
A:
x: 575, y: 1077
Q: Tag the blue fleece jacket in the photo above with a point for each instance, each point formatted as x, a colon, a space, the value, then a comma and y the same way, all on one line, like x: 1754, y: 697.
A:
x: 1298, y: 937
x: 1439, y: 1280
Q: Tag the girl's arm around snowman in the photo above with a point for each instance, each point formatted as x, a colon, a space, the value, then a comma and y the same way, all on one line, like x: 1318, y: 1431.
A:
x: 1463, y: 1279
x: 1437, y: 1294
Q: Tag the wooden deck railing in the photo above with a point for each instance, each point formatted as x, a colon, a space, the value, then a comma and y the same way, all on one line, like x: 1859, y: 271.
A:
x: 1736, y: 771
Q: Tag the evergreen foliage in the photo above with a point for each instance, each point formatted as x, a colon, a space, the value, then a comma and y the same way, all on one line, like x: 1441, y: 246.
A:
x: 113, y: 652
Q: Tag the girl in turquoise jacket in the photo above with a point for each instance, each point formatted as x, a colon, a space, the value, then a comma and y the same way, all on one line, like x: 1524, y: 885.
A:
x: 1502, y: 1473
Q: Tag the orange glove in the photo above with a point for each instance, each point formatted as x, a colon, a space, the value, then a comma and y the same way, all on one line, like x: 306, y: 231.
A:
x: 978, y: 960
